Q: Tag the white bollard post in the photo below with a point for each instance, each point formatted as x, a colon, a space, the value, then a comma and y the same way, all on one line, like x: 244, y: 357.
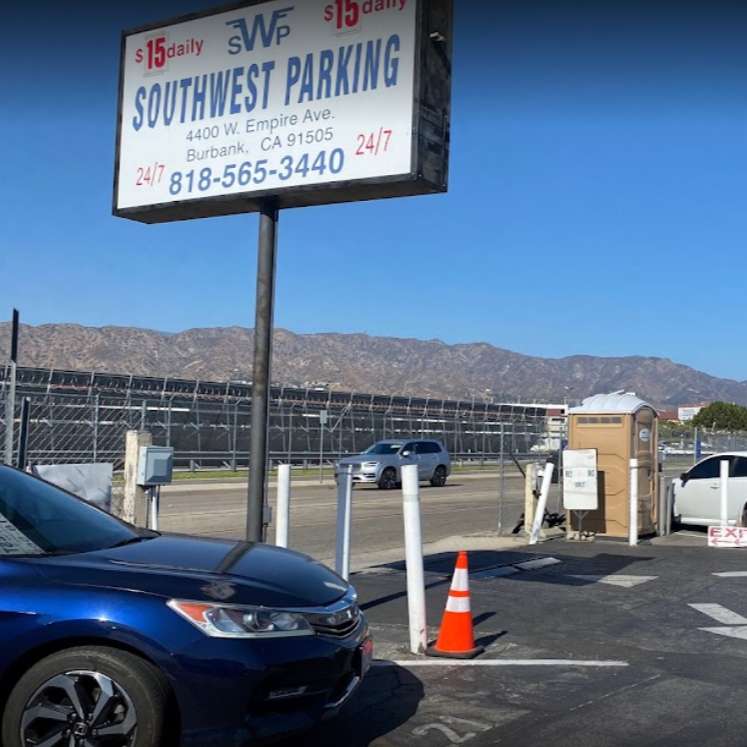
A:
x: 282, y: 517
x: 154, y: 494
x: 633, y: 508
x: 724, y: 485
x: 529, y: 498
x: 539, y: 513
x: 344, y: 510
x: 414, y: 559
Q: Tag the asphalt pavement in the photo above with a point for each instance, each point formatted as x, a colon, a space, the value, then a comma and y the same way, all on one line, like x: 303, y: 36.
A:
x: 605, y: 645
x: 593, y: 644
x: 466, y: 505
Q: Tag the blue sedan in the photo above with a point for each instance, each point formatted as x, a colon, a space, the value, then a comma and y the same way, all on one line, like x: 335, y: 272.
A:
x: 112, y: 635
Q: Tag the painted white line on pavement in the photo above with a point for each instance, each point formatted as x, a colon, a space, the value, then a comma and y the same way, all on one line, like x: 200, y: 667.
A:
x: 504, y: 570
x: 720, y: 614
x: 500, y: 663
x: 731, y: 574
x: 617, y: 579
x: 532, y: 565
x: 732, y: 632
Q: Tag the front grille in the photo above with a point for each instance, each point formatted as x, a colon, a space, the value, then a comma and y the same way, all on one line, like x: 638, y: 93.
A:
x: 337, y: 631
x: 338, y: 624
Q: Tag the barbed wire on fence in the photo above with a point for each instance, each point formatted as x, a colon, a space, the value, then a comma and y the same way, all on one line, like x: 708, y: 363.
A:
x: 210, y: 431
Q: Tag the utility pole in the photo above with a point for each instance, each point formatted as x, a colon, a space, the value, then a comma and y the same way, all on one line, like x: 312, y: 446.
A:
x: 323, y: 414
x: 10, y: 399
x: 501, y: 494
x: 266, y: 261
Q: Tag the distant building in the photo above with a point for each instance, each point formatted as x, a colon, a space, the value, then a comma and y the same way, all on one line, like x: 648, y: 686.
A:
x: 686, y: 413
x: 669, y: 416
x: 555, y: 429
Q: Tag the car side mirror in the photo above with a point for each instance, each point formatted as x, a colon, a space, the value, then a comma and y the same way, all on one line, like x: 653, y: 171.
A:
x: 683, y: 477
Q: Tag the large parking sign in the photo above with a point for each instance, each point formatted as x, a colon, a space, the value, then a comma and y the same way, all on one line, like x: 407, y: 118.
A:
x: 305, y: 101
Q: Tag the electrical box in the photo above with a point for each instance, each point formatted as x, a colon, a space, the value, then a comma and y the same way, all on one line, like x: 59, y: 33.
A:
x: 155, y: 465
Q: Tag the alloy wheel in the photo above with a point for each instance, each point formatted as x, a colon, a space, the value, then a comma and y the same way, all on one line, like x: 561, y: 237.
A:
x: 79, y: 709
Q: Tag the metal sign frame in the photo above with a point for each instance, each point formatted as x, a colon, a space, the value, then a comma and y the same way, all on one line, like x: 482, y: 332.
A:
x: 430, y: 133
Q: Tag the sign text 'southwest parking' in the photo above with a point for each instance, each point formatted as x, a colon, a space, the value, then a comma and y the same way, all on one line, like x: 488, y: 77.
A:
x: 330, y: 74
x: 309, y: 102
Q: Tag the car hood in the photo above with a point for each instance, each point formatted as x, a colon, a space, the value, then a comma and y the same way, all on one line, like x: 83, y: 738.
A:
x: 202, y: 569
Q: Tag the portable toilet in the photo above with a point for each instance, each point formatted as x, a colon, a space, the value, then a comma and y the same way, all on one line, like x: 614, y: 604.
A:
x: 621, y: 427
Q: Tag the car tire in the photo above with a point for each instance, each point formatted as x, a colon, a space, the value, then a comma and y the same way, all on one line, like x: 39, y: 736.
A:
x: 439, y: 477
x: 388, y: 479
x: 129, y: 689
x: 674, y: 522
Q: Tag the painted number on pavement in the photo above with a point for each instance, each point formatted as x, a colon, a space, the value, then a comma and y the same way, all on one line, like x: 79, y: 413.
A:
x: 450, y: 733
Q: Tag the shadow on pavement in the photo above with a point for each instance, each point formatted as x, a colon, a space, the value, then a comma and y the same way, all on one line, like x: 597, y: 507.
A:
x: 443, y: 562
x: 564, y: 573
x: 398, y: 595
x: 388, y: 698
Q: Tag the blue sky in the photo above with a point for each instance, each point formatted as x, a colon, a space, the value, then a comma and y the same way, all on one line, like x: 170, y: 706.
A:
x: 596, y: 205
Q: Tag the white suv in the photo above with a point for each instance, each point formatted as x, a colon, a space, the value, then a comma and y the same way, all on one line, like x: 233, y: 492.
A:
x: 697, y: 492
x: 382, y: 462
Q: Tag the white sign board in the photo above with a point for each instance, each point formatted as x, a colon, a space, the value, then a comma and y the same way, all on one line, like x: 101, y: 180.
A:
x: 92, y: 482
x: 580, y: 491
x: 727, y: 536
x: 270, y: 98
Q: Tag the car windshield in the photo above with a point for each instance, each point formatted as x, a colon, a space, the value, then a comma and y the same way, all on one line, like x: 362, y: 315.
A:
x: 37, y: 518
x: 387, y: 448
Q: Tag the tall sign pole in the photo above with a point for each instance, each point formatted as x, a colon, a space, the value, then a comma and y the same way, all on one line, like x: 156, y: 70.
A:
x: 10, y: 399
x: 269, y: 105
x: 266, y: 261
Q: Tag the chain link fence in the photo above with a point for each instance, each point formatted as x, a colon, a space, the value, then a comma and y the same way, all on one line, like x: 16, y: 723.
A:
x: 711, y: 442
x: 207, y: 431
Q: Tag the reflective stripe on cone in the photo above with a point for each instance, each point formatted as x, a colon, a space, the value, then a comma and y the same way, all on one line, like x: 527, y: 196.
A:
x: 456, y: 638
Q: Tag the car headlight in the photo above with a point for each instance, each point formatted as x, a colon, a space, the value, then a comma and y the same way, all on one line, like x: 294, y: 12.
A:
x: 228, y: 621
x: 370, y: 465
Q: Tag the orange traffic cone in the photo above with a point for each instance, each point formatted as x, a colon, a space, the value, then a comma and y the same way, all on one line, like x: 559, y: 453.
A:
x: 456, y: 640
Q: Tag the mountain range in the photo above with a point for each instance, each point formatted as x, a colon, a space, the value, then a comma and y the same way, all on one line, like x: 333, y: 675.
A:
x: 363, y: 363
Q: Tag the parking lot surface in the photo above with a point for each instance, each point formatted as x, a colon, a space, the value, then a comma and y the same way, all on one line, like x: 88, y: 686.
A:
x: 464, y: 506
x: 599, y: 644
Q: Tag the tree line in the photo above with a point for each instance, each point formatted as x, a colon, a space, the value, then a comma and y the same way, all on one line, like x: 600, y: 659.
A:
x: 721, y: 416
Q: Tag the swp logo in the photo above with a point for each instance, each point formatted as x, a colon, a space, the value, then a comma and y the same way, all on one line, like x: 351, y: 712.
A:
x: 270, y: 32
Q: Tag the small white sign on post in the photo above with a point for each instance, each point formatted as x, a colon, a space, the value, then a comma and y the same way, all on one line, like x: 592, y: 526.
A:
x: 580, y: 491
x: 726, y: 536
